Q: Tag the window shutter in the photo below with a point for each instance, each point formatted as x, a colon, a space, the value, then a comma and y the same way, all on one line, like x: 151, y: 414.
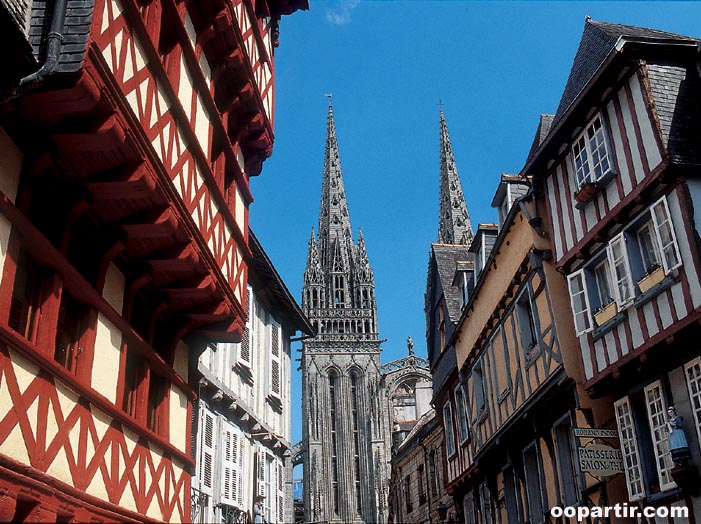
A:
x: 657, y: 416
x: 206, y: 454
x: 241, y: 468
x: 280, y: 491
x: 231, y: 470
x: 693, y: 382
x: 579, y: 300
x: 246, y: 342
x: 629, y: 447
x: 620, y: 267
x: 665, y: 235
x: 275, y: 367
x: 261, y: 473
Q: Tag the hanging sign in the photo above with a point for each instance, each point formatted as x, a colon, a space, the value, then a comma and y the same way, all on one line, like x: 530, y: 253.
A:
x: 595, y: 433
x: 600, y: 460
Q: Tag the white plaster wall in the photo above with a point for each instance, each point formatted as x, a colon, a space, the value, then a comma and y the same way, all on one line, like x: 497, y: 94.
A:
x: 105, y: 369
x: 178, y: 418
x: 113, y: 290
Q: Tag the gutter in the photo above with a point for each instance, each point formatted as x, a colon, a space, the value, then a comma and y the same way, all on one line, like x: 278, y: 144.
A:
x: 53, y: 47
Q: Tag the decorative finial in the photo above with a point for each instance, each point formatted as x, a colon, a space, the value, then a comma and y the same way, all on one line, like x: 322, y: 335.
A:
x: 587, y: 18
x: 330, y: 97
x: 440, y: 103
x: 410, y: 345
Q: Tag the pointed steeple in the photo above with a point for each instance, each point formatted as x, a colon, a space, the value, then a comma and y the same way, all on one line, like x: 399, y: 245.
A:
x: 455, y: 226
x: 363, y: 270
x: 313, y: 273
x: 334, y: 221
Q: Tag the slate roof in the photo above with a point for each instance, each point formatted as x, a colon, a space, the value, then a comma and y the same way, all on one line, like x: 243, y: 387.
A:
x: 544, y: 125
x: 598, y: 40
x: 267, y: 282
x: 447, y: 257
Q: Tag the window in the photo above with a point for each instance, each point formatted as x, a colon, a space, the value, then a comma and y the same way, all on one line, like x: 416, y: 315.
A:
x: 534, y: 487
x: 657, y: 417
x: 155, y: 406
x: 232, y: 481
x: 618, y: 260
x: 511, y: 496
x: 478, y: 391
x: 693, y: 382
x: 591, y: 153
x: 649, y: 250
x: 665, y: 235
x: 69, y: 329
x: 433, y: 474
x: 449, y: 431
x: 602, y: 274
x: 134, y: 372
x: 334, y: 444
x: 468, y: 507
x: 485, y: 504
x: 275, y: 360
x: 565, y: 462
x: 26, y: 297
x: 205, y: 452
x: 526, y: 320
x: 579, y: 302
x: 629, y: 448
x: 420, y: 480
x: 244, y: 353
x: 461, y: 414
x: 355, y: 415
x: 407, y: 494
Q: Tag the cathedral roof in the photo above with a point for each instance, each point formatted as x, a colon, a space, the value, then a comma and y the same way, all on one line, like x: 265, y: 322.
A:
x: 454, y: 221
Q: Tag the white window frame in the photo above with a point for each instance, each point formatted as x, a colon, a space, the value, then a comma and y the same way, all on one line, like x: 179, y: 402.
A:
x: 275, y: 330
x: 461, y: 414
x: 649, y: 225
x: 588, y: 168
x: 657, y: 418
x: 449, y: 429
x: 629, y: 448
x: 622, y: 262
x: 659, y: 224
x: 606, y: 272
x: 586, y: 312
x: 692, y: 372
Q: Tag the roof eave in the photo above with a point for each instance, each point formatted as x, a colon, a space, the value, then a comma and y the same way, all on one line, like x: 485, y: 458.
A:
x: 563, y: 121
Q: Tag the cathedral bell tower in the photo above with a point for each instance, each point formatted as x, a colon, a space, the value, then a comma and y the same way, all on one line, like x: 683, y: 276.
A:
x: 345, y: 464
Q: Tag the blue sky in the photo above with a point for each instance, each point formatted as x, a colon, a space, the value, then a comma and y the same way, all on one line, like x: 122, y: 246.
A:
x: 496, y: 66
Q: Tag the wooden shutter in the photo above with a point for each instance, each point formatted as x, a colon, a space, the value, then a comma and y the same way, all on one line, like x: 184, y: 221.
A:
x: 230, y: 469
x: 275, y: 360
x: 280, y: 491
x: 205, y: 464
x: 244, y: 357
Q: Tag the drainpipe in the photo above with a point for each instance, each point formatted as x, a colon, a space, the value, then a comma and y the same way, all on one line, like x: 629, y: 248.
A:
x: 53, y: 46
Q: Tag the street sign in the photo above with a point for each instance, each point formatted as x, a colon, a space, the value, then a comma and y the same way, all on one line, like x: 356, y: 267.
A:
x: 595, y: 433
x: 600, y: 460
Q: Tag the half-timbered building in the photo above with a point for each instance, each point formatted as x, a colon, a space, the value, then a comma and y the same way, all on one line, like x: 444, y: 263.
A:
x: 243, y: 414
x: 518, y: 397
x: 128, y: 133
x: 618, y: 187
x: 448, y: 285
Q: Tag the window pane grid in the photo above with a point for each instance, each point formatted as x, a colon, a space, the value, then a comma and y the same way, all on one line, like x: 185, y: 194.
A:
x: 591, y: 155
x: 693, y: 381
x: 580, y: 303
x: 665, y: 234
x: 629, y: 448
x: 621, y: 271
x: 656, y: 410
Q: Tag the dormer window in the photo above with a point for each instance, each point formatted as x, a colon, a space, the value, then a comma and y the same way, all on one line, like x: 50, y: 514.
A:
x: 592, y: 158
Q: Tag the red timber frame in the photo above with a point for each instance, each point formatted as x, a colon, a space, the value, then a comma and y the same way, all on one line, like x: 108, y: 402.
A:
x: 141, y: 161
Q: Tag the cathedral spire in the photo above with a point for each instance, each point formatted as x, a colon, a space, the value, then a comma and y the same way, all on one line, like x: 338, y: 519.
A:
x: 334, y: 222
x: 455, y: 226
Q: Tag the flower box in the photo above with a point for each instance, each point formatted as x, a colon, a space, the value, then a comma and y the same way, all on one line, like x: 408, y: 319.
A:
x: 606, y: 313
x: 650, y: 280
x: 586, y: 192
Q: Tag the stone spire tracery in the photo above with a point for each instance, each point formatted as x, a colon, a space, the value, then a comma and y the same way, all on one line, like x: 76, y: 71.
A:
x: 454, y: 226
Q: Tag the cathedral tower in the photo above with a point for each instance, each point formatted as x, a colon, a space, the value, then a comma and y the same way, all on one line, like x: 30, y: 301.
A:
x: 345, y: 435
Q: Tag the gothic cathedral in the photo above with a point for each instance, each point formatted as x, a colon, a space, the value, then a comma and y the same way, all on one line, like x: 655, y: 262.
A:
x: 344, y: 402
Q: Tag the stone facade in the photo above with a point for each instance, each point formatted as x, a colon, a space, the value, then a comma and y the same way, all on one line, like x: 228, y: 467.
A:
x: 345, y: 410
